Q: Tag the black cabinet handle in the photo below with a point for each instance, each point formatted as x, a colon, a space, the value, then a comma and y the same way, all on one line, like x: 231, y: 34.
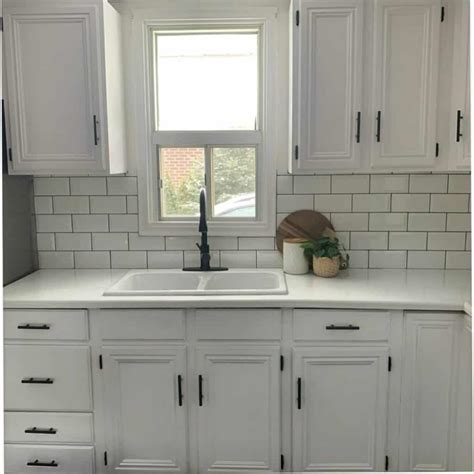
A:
x: 180, y: 390
x: 37, y: 380
x: 358, y: 127
x: 34, y: 326
x: 348, y: 327
x: 36, y: 462
x: 96, y: 137
x: 298, y: 396
x: 459, y: 117
x: 379, y: 119
x: 35, y: 430
x: 200, y: 390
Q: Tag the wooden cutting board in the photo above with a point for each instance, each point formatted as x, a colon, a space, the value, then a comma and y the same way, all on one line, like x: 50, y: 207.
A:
x: 305, y: 224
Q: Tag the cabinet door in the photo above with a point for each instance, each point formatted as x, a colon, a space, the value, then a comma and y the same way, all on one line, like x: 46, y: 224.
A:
x: 460, y: 133
x: 327, y: 49
x: 144, y: 415
x: 52, y: 82
x: 427, y: 391
x: 405, y: 89
x: 238, y: 409
x: 340, y: 404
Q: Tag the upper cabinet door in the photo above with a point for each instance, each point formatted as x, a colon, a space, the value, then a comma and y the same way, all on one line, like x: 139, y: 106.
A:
x: 460, y: 133
x: 57, y: 78
x: 238, y: 409
x: 327, y: 83
x: 145, y: 409
x: 406, y: 52
x: 340, y: 409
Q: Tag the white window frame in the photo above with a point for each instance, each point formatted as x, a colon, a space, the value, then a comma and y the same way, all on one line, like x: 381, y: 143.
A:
x: 213, y: 13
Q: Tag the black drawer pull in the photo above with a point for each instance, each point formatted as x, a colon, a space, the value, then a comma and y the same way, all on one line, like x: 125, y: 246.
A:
x: 459, y: 117
x: 35, y: 430
x: 47, y: 381
x: 34, y: 326
x: 348, y: 327
x: 201, y: 397
x: 358, y: 128
x: 180, y: 390
x: 379, y: 119
x: 298, y: 396
x: 37, y: 462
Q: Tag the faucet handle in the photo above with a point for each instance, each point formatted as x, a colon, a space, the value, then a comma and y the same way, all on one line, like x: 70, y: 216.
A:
x: 198, y: 246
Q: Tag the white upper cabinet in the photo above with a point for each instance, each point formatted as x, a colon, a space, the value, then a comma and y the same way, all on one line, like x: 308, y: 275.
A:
x: 64, y: 89
x: 460, y: 133
x: 327, y: 83
x: 406, y: 51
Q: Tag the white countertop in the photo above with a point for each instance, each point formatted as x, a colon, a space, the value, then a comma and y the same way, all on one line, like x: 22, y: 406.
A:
x: 376, y: 289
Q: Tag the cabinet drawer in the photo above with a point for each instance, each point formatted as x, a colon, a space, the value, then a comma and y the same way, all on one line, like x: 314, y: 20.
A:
x: 236, y: 324
x: 21, y: 459
x: 142, y: 325
x: 340, y: 325
x: 47, y: 378
x: 58, y: 428
x: 54, y: 324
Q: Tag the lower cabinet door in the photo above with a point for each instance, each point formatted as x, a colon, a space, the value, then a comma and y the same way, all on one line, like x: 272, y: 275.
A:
x: 145, y: 406
x: 340, y: 404
x: 238, y: 408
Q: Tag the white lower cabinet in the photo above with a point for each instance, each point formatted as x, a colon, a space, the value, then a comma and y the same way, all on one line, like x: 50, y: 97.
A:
x: 239, y: 408
x: 340, y: 408
x: 145, y: 413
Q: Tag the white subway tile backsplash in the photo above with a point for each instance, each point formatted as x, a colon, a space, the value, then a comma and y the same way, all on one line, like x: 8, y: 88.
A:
x: 312, y: 184
x: 45, y: 241
x: 294, y: 202
x: 428, y: 183
x: 449, y: 202
x: 181, y: 243
x: 134, y: 259
x: 56, y: 260
x: 94, y: 260
x: 51, y: 223
x: 387, y: 259
x: 165, y: 259
x: 422, y: 221
x: 446, y: 241
x: 51, y: 186
x: 354, y: 184
x: 391, y: 221
x: 459, y: 222
x: 426, y: 260
x: 221, y: 243
x: 108, y: 205
x: 110, y: 241
x: 468, y: 240
x: 333, y: 202
x: 371, y: 203
x: 346, y: 221
x: 358, y: 258
x: 407, y: 241
x: 410, y: 202
x: 458, y: 260
x: 43, y: 205
x: 123, y: 222
x: 132, y: 204
x: 284, y: 184
x: 90, y: 223
x: 382, y: 183
x: 88, y: 186
x: 459, y: 183
x: 141, y: 242
x: 122, y: 185
x: 71, y: 204
x: 369, y: 240
x: 192, y: 258
x: 269, y: 259
x: 256, y: 243
x: 239, y: 259
x: 73, y: 241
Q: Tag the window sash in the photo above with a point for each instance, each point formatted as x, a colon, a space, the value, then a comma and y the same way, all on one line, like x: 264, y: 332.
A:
x: 207, y: 138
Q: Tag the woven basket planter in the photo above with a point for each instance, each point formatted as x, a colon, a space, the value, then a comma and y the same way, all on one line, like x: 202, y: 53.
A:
x: 326, y: 267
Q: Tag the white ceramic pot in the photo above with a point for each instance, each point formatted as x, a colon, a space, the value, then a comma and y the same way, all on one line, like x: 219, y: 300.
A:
x: 294, y: 261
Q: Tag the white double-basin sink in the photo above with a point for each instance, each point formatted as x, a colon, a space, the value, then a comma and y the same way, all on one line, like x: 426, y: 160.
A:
x: 178, y: 282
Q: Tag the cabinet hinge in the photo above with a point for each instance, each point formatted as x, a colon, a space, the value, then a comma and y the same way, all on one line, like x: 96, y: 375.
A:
x: 10, y: 157
x: 105, y: 458
x: 282, y: 462
x: 297, y: 18
x: 442, y: 14
x: 282, y: 363
x: 296, y: 152
x: 101, y: 365
x: 437, y: 149
x: 386, y: 463
x: 389, y: 363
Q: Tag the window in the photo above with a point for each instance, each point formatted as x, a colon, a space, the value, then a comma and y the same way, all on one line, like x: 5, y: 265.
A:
x: 208, y: 102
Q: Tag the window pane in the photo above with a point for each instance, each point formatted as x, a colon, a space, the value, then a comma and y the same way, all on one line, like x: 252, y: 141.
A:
x: 233, y: 185
x: 182, y: 175
x: 207, y: 80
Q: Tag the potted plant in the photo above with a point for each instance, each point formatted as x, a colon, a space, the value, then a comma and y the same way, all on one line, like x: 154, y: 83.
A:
x: 328, y: 256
